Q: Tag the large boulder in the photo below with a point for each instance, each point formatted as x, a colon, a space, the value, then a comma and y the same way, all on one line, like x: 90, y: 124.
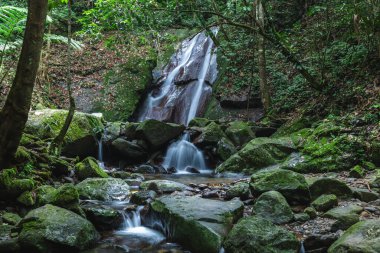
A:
x: 239, y: 132
x: 79, y: 140
x: 363, y: 237
x: 196, y: 223
x: 211, y: 135
x: 272, y: 206
x: 66, y: 196
x: 290, y: 184
x: 104, y: 217
x: 129, y: 149
x: 158, y: 133
x: 54, y: 229
x: 89, y: 167
x: 225, y: 149
x: 326, y: 185
x: 257, y: 154
x: 257, y: 235
x: 104, y: 189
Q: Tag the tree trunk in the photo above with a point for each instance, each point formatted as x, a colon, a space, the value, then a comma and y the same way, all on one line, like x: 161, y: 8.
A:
x: 264, y: 88
x: 14, y: 114
x: 56, y: 145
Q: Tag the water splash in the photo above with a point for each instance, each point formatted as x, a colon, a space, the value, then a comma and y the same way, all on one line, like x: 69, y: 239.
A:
x: 100, y: 149
x: 132, y: 220
x: 182, y: 154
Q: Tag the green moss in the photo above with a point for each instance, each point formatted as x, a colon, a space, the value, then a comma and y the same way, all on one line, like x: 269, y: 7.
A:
x: 357, y: 172
x: 89, y: 168
x: 325, y: 202
x: 26, y: 199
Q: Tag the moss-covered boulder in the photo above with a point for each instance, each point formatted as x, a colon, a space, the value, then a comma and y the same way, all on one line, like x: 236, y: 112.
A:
x: 158, y: 133
x: 239, y: 133
x: 89, y: 167
x: 53, y: 229
x: 363, y: 237
x: 272, y: 206
x: 129, y: 149
x: 79, y: 140
x: 238, y: 190
x: 104, y: 189
x: 225, y: 149
x: 257, y: 154
x: 66, y: 196
x: 342, y: 212
x: 8, y: 243
x: 11, y: 187
x: 163, y: 186
x: 257, y: 235
x: 196, y: 223
x: 365, y: 194
x: 327, y: 185
x: 211, y: 135
x: 26, y: 199
x: 290, y: 184
x: 103, y: 217
x: 325, y: 202
x: 10, y: 218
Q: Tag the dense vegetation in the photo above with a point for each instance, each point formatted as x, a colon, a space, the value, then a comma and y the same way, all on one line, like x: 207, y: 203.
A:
x: 294, y: 115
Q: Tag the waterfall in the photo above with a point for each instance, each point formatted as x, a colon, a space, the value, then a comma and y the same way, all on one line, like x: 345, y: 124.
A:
x: 182, y: 95
x: 185, y: 83
x: 182, y: 154
x: 100, y: 151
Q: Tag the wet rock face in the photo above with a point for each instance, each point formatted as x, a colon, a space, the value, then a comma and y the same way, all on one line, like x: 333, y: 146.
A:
x: 103, y: 217
x: 254, y: 235
x: 89, y: 168
x: 196, y: 223
x: 190, y: 71
x: 50, y: 228
x: 364, y: 236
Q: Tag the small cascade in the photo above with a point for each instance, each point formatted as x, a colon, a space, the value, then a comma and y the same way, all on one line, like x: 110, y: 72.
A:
x: 183, y: 154
x: 133, y: 220
x: 100, y: 151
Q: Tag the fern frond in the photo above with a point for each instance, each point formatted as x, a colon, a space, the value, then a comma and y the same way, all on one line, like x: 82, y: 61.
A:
x: 62, y: 39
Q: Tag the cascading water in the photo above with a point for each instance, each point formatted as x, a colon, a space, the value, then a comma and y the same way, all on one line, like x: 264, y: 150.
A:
x: 183, y: 154
x: 100, y: 150
x: 182, y: 96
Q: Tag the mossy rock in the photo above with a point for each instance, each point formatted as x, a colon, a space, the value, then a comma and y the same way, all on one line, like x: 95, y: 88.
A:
x: 343, y: 211
x: 199, y: 122
x: 104, y: 218
x: 211, y: 135
x: 27, y: 199
x: 225, y: 149
x: 239, y: 190
x: 11, y: 187
x: 79, y: 139
x: 325, y: 202
x: 54, y: 229
x: 89, y: 167
x: 357, y: 172
x: 66, y: 196
x: 239, y: 133
x: 104, y: 189
x: 163, y: 186
x: 326, y: 185
x: 362, y: 237
x: 290, y: 184
x: 10, y: 218
x: 158, y: 133
x: 196, y: 223
x: 311, y: 212
x: 257, y: 154
x: 257, y: 235
x: 272, y: 206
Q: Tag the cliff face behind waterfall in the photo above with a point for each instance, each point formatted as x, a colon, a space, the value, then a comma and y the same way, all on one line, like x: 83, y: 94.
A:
x: 181, y: 91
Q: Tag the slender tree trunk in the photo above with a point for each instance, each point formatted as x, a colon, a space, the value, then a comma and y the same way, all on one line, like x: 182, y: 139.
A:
x: 14, y: 114
x: 56, y: 145
x: 264, y: 87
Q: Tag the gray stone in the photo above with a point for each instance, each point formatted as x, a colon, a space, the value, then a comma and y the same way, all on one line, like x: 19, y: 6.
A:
x: 164, y: 186
x: 198, y: 224
x: 326, y: 185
